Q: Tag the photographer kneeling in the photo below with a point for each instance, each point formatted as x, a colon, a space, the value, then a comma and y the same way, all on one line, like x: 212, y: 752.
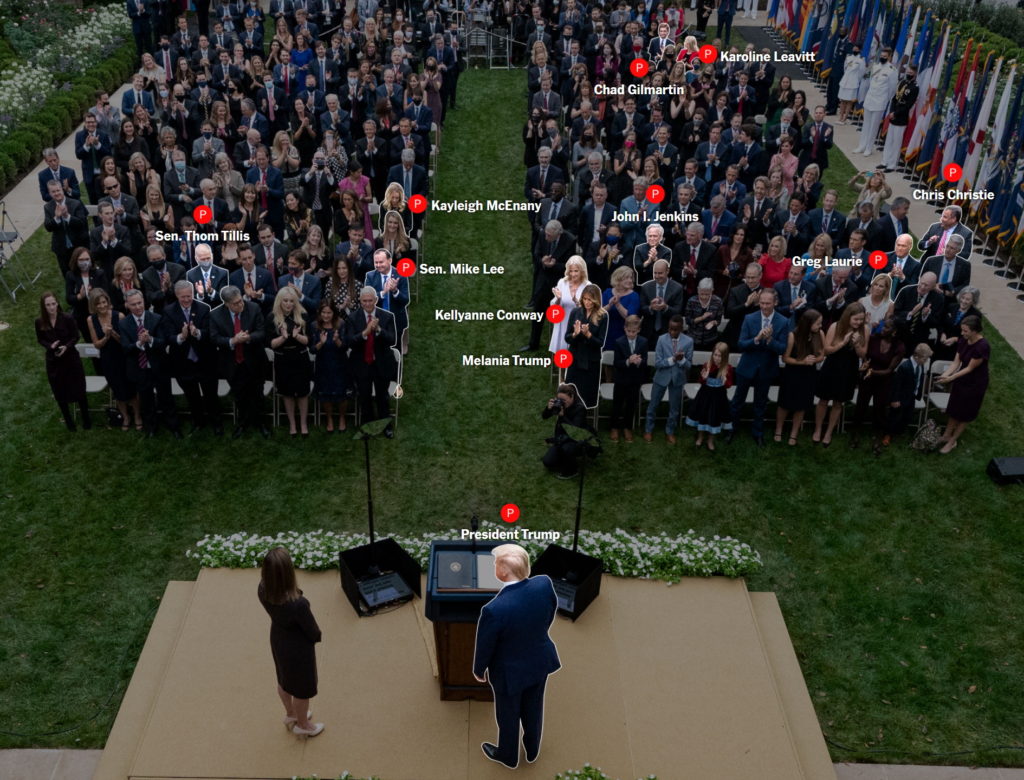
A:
x: 563, y: 455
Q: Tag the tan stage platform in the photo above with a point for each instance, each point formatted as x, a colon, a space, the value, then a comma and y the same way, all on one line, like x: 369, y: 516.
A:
x: 696, y: 681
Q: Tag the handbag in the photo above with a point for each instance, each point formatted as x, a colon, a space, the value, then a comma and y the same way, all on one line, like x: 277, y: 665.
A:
x: 927, y: 437
x: 114, y: 418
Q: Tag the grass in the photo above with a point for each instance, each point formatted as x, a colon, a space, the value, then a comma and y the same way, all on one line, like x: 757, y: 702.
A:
x: 900, y: 577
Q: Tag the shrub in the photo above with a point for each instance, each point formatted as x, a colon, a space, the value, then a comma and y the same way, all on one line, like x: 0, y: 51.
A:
x: 8, y: 168
x: 17, y: 151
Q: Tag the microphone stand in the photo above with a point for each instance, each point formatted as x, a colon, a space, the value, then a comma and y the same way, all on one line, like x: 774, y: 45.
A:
x: 586, y: 439
x: 367, y: 431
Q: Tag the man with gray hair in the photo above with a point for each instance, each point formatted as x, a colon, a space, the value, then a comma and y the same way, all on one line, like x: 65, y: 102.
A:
x: 61, y: 174
x: 551, y: 250
x: 952, y: 271
x: 207, y: 278
x: 181, y: 185
x: 159, y: 277
x: 515, y: 654
x: 370, y: 333
x: 238, y: 333
x: 145, y: 355
x: 934, y: 241
x: 411, y: 176
x: 645, y: 255
x: 695, y: 259
x: 774, y: 134
x: 191, y: 356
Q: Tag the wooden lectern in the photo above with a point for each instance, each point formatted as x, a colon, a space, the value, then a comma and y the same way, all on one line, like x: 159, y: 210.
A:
x: 460, y: 580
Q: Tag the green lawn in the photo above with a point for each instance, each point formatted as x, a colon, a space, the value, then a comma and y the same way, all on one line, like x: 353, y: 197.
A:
x: 900, y: 577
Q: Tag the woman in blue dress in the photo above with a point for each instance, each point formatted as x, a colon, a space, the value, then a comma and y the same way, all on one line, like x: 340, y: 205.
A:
x: 329, y: 376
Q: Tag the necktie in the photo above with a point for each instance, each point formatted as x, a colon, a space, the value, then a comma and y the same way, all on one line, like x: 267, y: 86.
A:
x: 693, y: 256
x: 239, y: 349
x: 250, y: 281
x: 385, y: 297
x: 657, y: 317
x: 942, y: 241
x: 543, y: 175
x: 918, y: 382
x: 316, y: 193
x: 192, y: 356
x: 824, y: 223
x: 947, y: 271
x: 757, y: 207
x: 269, y: 262
x: 167, y: 62
x: 368, y: 354
x: 263, y: 194
x: 817, y: 141
x: 138, y: 97
x: 794, y: 293
x: 765, y: 322
x: 714, y: 225
x: 143, y: 360
x: 270, y: 103
x: 408, y: 184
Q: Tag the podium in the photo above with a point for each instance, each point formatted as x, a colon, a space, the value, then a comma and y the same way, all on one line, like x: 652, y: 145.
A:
x: 460, y: 580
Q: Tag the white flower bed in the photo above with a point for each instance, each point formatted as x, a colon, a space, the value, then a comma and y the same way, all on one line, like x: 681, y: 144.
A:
x: 647, y: 556
x: 25, y: 87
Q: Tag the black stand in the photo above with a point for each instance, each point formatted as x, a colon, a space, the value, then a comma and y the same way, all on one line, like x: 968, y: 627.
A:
x: 380, y: 574
x: 8, y: 236
x: 575, y: 575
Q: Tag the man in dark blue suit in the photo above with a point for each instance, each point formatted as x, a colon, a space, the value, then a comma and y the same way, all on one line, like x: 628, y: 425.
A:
x: 420, y: 115
x: 718, y: 222
x: 61, y: 174
x: 392, y: 289
x: 142, y: 30
x: 91, y: 146
x: 306, y: 285
x: 515, y: 654
x: 255, y: 282
x: 828, y: 219
x: 763, y: 339
x: 411, y: 176
x: 269, y: 189
x: 796, y: 294
x: 137, y: 94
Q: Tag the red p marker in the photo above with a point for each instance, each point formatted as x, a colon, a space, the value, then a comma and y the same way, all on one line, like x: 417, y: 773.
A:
x: 417, y: 204
x: 954, y: 172
x: 202, y: 214
x: 510, y: 513
x: 655, y: 193
x: 707, y: 54
x: 878, y: 260
x: 563, y: 358
x: 555, y: 313
x: 405, y: 267
x: 639, y: 68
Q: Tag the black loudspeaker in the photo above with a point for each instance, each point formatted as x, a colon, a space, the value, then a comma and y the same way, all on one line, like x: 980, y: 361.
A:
x: 1006, y: 471
x: 576, y: 577
x: 378, y: 575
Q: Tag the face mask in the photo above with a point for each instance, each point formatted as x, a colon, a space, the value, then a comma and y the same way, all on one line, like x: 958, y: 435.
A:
x: 202, y: 84
x: 629, y: 144
x: 179, y: 165
x: 206, y: 265
x: 84, y: 265
x: 163, y: 93
x: 207, y: 135
x: 884, y: 60
x: 165, y: 46
x: 552, y: 132
x: 611, y: 240
x: 417, y: 100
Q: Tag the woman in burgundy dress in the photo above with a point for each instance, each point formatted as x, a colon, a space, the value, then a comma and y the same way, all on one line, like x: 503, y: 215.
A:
x: 57, y: 333
x: 969, y: 374
x: 293, y: 636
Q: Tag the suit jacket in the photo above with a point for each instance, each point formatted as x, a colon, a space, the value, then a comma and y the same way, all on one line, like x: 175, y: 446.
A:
x: 174, y: 194
x: 128, y: 102
x: 341, y: 124
x: 63, y: 173
x: 707, y: 260
x: 785, y: 305
x: 221, y: 213
x: 419, y: 178
x: 667, y: 371
x: 73, y: 230
x: 904, y: 384
x: 105, y: 257
x: 807, y: 155
x: 911, y: 272
x: 553, y: 174
x: 375, y: 163
x: 699, y: 185
x: 278, y: 256
x: 154, y: 350
x: 92, y: 155
x: 761, y: 360
x: 422, y: 118
x: 152, y: 288
x: 915, y: 331
x: 568, y: 214
x: 553, y: 102
x: 960, y: 278
x: 327, y: 185
x: 311, y: 290
x: 586, y: 228
x: 797, y: 243
x: 264, y: 283
x: 208, y: 294
x: 222, y: 330
x: 736, y: 310
x: 936, y: 230
x: 384, y: 358
x: 824, y: 288
x: 398, y: 144
x: 673, y: 301
x: 397, y: 301
x: 712, y: 171
x: 179, y: 362
x: 885, y: 232
x: 836, y: 223
x: 512, y: 642
x: 726, y: 224
x: 275, y: 191
x: 626, y: 374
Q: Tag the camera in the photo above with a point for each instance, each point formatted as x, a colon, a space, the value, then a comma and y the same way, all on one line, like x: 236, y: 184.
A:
x: 558, y: 404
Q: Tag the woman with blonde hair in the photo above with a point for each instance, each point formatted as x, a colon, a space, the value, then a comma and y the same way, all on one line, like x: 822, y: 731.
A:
x: 873, y: 189
x: 394, y: 200
x: 567, y: 295
x: 140, y: 176
x: 155, y: 213
x: 819, y: 250
x: 229, y: 181
x: 285, y: 156
x: 287, y: 336
x: 125, y: 278
x: 317, y: 251
x: 293, y: 636
x: 393, y: 237
x: 585, y: 334
x: 876, y: 302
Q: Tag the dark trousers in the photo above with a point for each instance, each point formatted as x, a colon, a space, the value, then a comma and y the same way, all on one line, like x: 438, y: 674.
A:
x: 201, y: 395
x: 873, y: 391
x: 373, y: 389
x: 156, y: 401
x: 725, y: 27
x: 203, y: 16
x: 832, y: 92
x: 761, y: 384
x: 563, y: 457
x: 247, y: 387
x: 898, y: 419
x: 526, y: 708
x: 69, y: 418
x: 625, y: 398
x: 142, y: 31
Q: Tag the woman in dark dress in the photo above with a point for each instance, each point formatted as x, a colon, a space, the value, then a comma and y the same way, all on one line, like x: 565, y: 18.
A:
x: 340, y: 288
x: 329, y: 376
x: 710, y: 411
x: 293, y: 637
x: 103, y: 331
x: 57, y: 333
x: 969, y: 375
x: 127, y: 144
x: 845, y: 346
x: 949, y: 330
x: 585, y: 333
x: 286, y: 335
x: 885, y: 352
x: 82, y: 277
x: 805, y: 349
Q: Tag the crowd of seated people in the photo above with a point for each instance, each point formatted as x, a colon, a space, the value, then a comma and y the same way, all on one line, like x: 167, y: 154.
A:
x: 747, y: 257
x: 305, y: 146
